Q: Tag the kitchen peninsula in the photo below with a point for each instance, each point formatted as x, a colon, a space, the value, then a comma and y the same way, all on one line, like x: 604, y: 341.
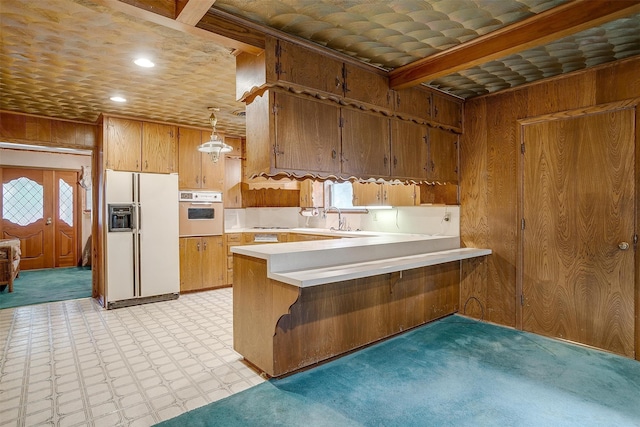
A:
x: 297, y: 304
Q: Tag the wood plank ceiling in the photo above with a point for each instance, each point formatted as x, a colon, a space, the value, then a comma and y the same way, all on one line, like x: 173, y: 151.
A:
x: 65, y: 58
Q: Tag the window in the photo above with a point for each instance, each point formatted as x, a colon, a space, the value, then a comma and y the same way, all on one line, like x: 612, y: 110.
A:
x: 22, y: 201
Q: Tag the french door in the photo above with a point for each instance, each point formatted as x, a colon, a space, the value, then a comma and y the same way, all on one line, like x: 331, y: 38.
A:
x: 578, y: 237
x: 40, y: 208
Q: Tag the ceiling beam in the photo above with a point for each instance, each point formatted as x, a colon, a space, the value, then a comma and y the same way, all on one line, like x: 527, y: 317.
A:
x: 179, y: 26
x: 553, y: 24
x: 193, y: 11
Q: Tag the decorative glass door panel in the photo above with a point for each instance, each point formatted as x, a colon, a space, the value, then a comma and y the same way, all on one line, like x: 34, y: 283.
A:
x: 39, y: 207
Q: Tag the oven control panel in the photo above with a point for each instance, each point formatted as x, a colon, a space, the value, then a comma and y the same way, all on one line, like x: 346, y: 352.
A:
x: 200, y: 196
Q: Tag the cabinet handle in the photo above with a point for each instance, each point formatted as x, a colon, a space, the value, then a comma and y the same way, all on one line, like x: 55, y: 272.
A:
x: 146, y: 165
x: 137, y: 164
x: 197, y: 180
x: 205, y: 246
x: 433, y: 166
x: 334, y: 154
x: 204, y: 179
x: 198, y: 246
x: 395, y: 161
x: 386, y: 161
x: 435, y: 111
x: 338, y: 83
x: 385, y: 196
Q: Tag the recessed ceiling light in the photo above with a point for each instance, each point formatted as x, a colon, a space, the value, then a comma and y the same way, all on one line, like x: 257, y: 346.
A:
x: 118, y: 99
x: 144, y: 62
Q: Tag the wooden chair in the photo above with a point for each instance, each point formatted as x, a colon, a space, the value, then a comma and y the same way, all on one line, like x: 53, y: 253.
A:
x: 9, y: 261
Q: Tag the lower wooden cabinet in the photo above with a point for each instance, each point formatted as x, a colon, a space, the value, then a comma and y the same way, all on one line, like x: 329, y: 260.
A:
x: 202, y: 263
x: 231, y: 239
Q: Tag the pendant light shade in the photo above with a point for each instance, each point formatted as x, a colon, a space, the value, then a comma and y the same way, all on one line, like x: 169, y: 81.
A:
x: 215, y: 146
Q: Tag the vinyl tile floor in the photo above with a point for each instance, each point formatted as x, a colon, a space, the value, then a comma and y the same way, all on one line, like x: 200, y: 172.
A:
x: 72, y: 363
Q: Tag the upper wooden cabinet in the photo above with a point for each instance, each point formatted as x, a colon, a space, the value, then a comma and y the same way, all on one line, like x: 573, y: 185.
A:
x: 236, y: 144
x: 409, y: 150
x: 232, y: 197
x: 443, y: 156
x: 197, y: 170
x: 367, y: 86
x: 385, y: 194
x: 132, y: 145
x: 291, y: 64
x: 159, y: 148
x: 365, y: 150
x: 447, y: 110
x: 299, y: 65
x: 311, y: 194
x: 413, y: 103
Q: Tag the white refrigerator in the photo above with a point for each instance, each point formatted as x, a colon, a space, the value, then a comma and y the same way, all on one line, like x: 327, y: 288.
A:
x: 142, y: 258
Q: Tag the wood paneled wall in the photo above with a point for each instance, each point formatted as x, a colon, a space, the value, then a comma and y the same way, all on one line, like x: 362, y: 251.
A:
x: 489, y: 155
x: 28, y: 129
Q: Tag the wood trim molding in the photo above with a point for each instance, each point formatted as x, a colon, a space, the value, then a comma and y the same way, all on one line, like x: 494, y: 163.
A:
x: 193, y: 11
x: 593, y: 109
x: 553, y: 24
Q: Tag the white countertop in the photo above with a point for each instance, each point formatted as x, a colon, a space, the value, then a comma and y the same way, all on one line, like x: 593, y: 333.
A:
x: 318, y: 262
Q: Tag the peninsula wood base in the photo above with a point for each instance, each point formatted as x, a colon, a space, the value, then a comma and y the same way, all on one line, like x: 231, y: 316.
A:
x: 281, y: 328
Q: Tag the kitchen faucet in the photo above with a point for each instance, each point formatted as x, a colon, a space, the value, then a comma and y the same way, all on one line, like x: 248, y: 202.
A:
x: 342, y: 222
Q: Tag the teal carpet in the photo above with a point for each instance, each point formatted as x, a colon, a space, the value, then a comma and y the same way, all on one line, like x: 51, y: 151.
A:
x: 454, y: 372
x: 52, y: 284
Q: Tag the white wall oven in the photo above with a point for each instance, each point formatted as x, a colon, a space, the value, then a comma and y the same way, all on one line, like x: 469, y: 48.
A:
x: 201, y: 213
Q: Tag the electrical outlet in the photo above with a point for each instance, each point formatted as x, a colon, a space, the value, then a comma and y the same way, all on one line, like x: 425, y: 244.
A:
x: 375, y: 216
x: 447, y: 216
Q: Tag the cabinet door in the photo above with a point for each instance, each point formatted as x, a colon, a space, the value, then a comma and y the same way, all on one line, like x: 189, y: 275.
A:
x: 214, y: 262
x: 232, y: 197
x: 236, y: 144
x: 311, y: 194
x: 190, y: 263
x: 443, y: 156
x: 365, y: 144
x: 123, y: 144
x: 159, y: 150
x: 307, y: 134
x: 212, y: 173
x: 299, y: 65
x: 363, y: 85
x: 413, y: 102
x: 189, y: 158
x: 408, y: 150
x: 447, y: 111
x: 367, y: 194
x: 399, y: 194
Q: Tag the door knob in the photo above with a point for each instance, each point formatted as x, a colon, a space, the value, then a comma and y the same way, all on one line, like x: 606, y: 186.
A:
x: 49, y: 221
x: 623, y: 246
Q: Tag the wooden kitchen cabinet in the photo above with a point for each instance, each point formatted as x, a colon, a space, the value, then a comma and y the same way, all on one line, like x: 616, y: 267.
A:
x: 282, y: 138
x: 232, y: 197
x: 159, y: 148
x: 196, y: 170
x: 409, y: 150
x: 133, y: 145
x: 447, y: 111
x: 365, y: 150
x: 384, y: 194
x: 231, y: 239
x: 443, y: 156
x: 413, y: 103
x: 311, y: 194
x: 122, y: 144
x: 202, y: 263
x: 236, y: 144
x: 367, y: 86
x: 301, y: 66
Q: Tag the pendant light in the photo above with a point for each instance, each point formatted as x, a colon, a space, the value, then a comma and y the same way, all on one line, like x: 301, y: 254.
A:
x: 215, y: 146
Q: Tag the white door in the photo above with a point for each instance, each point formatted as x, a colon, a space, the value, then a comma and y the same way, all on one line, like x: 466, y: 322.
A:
x: 159, y: 244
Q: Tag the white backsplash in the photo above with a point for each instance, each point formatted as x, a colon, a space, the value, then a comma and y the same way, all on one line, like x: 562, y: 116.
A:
x: 409, y: 219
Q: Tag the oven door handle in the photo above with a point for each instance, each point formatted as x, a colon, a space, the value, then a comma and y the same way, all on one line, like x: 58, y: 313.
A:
x: 202, y: 203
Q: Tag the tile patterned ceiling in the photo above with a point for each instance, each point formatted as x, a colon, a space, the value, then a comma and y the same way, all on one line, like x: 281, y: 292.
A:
x: 65, y: 58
